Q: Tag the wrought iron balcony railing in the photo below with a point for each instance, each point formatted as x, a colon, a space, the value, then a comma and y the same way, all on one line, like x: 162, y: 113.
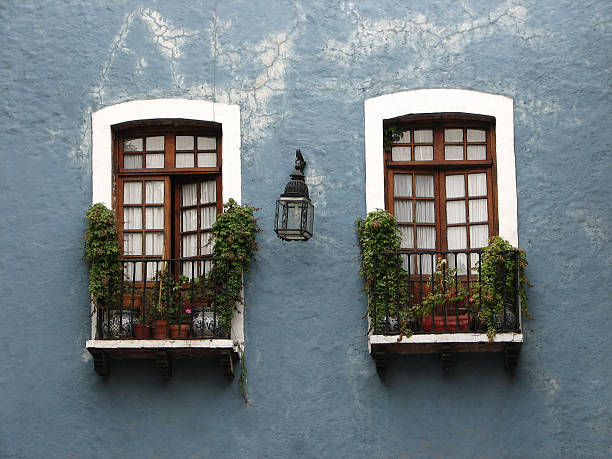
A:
x: 425, y: 292
x: 183, y: 298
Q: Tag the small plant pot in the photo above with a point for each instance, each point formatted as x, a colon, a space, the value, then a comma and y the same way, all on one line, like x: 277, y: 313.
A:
x: 160, y: 329
x: 142, y: 331
x: 119, y: 324
x: 179, y: 331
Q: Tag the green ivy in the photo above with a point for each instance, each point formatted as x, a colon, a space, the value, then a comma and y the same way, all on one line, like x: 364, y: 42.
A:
x: 391, y: 134
x: 498, y: 283
x: 385, y: 280
x: 102, y: 252
x: 234, y: 233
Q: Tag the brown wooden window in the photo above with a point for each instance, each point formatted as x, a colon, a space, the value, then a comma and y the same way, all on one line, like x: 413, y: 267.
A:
x: 167, y: 192
x: 439, y: 185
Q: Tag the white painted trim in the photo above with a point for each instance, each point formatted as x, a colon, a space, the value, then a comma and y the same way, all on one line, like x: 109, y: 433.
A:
x: 446, y: 338
x: 420, y: 101
x: 199, y: 110
x: 161, y: 344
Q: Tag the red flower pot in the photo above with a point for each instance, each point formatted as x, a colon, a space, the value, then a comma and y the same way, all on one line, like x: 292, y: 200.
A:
x: 161, y: 329
x: 142, y: 331
x: 179, y: 331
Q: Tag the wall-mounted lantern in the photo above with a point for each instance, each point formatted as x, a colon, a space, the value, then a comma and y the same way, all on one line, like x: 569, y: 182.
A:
x: 294, y: 217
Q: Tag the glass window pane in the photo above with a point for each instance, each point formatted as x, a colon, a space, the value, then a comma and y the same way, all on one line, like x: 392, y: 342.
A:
x: 132, y: 218
x: 478, y: 210
x: 402, y: 210
x: 189, y: 245
x: 132, y: 145
x: 208, y: 192
x: 458, y: 261
x: 426, y: 237
x: 132, y: 243
x: 184, y: 142
x: 405, y: 137
x: 407, y: 236
x: 423, y: 136
x: 154, y: 243
x: 184, y: 160
x: 207, y: 244
x: 453, y: 152
x: 476, y: 152
x: 153, y: 268
x: 400, y: 154
x: 208, y: 217
x: 479, y: 235
x: 132, y: 271
x: 423, y: 153
x: 189, y: 220
x: 132, y: 161
x: 453, y: 135
x: 455, y: 212
x: 155, y: 143
x: 424, y: 186
x: 132, y: 192
x: 154, y: 218
x: 189, y: 194
x: 455, y: 186
x: 456, y: 237
x: 207, y: 143
x: 425, y: 212
x: 476, y: 135
x: 155, y: 161
x: 207, y: 159
x: 402, y: 184
x: 154, y: 191
x: 477, y: 184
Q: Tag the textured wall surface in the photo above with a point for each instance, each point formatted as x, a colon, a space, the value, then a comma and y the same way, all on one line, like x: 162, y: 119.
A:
x: 300, y: 72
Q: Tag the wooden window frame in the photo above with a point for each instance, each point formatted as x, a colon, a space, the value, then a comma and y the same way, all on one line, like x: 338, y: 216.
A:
x: 440, y: 167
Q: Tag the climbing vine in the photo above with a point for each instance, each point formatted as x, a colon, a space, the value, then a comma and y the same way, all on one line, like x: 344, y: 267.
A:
x: 102, y: 252
x: 391, y: 134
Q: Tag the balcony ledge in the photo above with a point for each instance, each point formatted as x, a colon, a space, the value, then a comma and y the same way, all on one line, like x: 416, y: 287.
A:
x: 432, y: 343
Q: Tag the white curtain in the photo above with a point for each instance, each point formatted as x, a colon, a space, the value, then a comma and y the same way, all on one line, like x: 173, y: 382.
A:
x: 155, y: 143
x: 132, y: 192
x: 155, y: 160
x: 207, y: 143
x: 132, y: 271
x: 154, y: 217
x: 479, y: 235
x: 423, y: 136
x: 425, y: 212
x: 189, y: 245
x: 207, y: 159
x: 132, y: 161
x: 402, y: 210
x: 208, y: 192
x: 457, y: 240
x: 424, y: 186
x: 184, y: 142
x: 477, y: 184
x: 189, y: 220
x: 400, y: 154
x: 154, y: 243
x: 132, y: 145
x: 184, y: 160
x: 208, y: 217
x: 455, y: 186
x: 476, y: 152
x: 478, y: 210
x: 455, y: 212
x: 453, y: 135
x: 132, y: 243
x: 206, y: 244
x: 423, y: 153
x: 453, y: 152
x: 476, y: 135
x: 132, y: 218
x: 402, y: 185
x: 154, y: 192
x: 407, y: 236
x: 189, y: 194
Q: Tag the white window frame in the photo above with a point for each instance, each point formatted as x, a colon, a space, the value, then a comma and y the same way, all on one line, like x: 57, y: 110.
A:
x: 425, y: 101
x: 102, y: 176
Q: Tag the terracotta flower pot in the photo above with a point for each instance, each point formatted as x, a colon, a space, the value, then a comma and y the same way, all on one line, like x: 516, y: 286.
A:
x: 142, y: 331
x: 452, y: 325
x: 161, y: 329
x: 179, y: 331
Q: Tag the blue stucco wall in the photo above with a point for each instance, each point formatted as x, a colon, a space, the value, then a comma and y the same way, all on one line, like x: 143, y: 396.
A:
x: 300, y: 73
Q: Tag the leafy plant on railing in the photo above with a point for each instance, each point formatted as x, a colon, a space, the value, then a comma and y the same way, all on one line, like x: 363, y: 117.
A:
x: 497, y: 288
x: 163, y: 298
x: 234, y: 238
x: 102, y: 252
x: 391, y: 134
x: 385, y: 279
x: 445, y: 289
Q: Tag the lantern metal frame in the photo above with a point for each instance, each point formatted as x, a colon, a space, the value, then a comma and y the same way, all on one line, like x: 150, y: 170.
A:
x: 299, y: 226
